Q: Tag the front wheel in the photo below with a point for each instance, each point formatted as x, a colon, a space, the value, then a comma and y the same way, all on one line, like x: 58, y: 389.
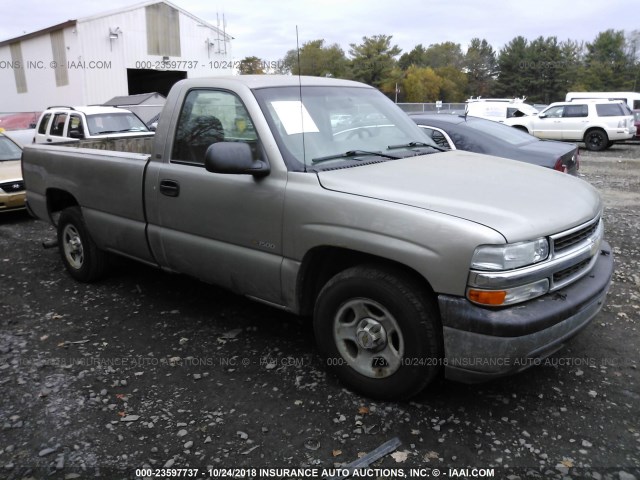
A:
x: 379, y: 331
x: 596, y: 140
x: 80, y: 255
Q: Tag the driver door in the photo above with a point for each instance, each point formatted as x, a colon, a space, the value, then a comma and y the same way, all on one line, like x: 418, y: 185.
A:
x: 224, y: 229
x: 549, y: 124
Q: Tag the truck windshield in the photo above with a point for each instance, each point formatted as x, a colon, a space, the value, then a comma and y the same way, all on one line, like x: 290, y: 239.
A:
x: 107, y: 123
x: 320, y: 127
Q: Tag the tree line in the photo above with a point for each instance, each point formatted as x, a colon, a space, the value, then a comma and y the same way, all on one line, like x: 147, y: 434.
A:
x: 543, y: 70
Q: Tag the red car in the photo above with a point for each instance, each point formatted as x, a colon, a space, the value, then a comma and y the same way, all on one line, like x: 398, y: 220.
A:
x: 19, y: 121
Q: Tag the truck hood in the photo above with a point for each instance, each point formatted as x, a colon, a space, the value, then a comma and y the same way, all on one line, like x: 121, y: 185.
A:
x: 10, y: 170
x: 518, y: 200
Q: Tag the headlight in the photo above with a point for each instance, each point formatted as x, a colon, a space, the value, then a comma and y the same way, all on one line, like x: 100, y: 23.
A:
x: 510, y: 256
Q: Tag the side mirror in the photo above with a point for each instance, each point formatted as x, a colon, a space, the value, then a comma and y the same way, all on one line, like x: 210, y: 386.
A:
x: 234, y: 158
x: 542, y: 115
x: 75, y: 134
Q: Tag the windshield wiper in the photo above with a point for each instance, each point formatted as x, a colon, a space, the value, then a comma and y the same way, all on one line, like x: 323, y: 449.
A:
x: 417, y: 144
x: 351, y: 154
x: 116, y: 131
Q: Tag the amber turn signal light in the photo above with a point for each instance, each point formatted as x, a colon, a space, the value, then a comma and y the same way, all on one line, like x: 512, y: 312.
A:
x: 484, y: 297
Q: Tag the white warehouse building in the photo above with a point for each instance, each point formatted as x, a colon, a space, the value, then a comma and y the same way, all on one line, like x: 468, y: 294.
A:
x: 139, y: 49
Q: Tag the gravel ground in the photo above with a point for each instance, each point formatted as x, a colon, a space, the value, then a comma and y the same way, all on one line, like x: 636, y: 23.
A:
x: 151, y: 370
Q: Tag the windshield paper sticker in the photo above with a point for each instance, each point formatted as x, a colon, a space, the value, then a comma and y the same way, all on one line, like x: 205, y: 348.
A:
x: 294, y: 117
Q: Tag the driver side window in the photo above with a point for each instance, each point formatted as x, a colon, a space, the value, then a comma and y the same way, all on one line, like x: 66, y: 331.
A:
x: 75, y: 126
x: 208, y: 117
x: 555, y: 112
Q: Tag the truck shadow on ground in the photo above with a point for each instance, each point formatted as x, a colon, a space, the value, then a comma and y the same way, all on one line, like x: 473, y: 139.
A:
x: 14, y: 217
x: 168, y: 307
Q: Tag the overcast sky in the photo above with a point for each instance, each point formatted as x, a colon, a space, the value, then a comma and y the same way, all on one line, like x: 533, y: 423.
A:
x: 267, y: 29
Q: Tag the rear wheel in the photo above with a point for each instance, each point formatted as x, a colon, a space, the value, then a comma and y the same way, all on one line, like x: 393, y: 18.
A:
x: 81, y: 257
x: 379, y: 331
x: 596, y: 140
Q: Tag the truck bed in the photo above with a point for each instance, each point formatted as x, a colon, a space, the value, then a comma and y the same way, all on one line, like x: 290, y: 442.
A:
x: 109, y: 185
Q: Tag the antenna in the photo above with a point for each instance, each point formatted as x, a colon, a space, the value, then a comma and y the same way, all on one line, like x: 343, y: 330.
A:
x: 218, y: 30
x: 304, y: 150
x: 224, y: 33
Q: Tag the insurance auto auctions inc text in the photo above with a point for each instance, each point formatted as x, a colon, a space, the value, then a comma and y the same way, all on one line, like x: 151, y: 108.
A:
x: 374, y: 473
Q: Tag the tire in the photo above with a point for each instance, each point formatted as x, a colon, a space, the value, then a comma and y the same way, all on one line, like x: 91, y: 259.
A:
x: 81, y: 257
x: 379, y: 331
x: 596, y: 140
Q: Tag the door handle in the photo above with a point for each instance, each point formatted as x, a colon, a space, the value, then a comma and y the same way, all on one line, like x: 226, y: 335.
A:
x: 170, y: 188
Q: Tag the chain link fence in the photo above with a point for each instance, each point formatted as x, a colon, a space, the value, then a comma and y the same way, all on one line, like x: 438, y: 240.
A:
x: 454, y: 108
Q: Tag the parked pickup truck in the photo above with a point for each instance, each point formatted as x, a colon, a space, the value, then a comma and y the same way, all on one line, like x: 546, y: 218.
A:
x: 411, y: 261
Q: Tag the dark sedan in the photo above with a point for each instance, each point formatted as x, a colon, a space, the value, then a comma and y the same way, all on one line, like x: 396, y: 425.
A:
x: 457, y: 132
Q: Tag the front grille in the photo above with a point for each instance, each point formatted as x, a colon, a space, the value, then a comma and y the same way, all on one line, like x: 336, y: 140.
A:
x: 12, y: 187
x: 558, y: 277
x: 566, y: 242
x: 580, y: 244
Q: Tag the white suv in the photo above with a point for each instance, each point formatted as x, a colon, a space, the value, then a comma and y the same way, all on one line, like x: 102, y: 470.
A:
x: 597, y: 123
x: 62, y: 124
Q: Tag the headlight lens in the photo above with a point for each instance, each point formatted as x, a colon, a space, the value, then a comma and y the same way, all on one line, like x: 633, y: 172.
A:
x: 510, y: 256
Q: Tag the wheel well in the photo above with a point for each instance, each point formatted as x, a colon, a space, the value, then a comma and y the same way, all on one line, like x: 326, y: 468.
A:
x: 521, y: 128
x: 322, y: 263
x: 591, y: 129
x: 58, y: 200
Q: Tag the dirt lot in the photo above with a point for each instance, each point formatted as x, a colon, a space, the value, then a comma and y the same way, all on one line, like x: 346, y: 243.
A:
x: 149, y: 370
